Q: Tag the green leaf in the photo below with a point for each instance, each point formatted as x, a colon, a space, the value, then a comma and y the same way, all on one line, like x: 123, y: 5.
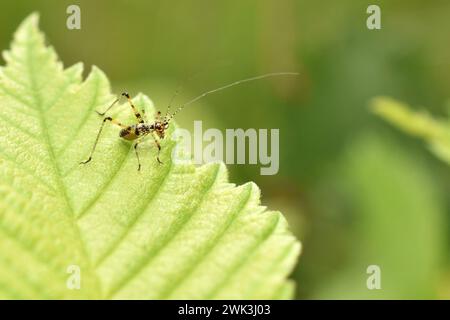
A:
x: 168, y: 231
x: 435, y: 132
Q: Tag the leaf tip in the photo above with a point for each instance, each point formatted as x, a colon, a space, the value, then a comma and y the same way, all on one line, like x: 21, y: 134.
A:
x: 222, y: 171
x: 28, y: 28
x: 96, y: 72
x: 32, y: 21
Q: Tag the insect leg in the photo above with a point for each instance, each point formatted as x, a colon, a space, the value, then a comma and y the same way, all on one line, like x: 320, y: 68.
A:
x: 138, y: 116
x: 135, y: 111
x: 137, y: 154
x: 111, y: 105
x: 159, y: 148
x: 99, y: 133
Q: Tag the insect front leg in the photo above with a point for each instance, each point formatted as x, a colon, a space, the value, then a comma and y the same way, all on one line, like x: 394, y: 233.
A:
x: 99, y: 133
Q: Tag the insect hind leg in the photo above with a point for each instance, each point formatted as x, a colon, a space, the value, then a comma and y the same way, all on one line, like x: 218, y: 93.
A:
x: 113, y: 121
x: 138, y: 116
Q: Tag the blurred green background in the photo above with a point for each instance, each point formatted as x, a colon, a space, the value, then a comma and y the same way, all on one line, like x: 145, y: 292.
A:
x: 355, y: 190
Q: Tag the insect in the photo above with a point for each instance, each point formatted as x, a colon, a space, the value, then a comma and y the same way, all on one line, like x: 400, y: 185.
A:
x: 157, y: 128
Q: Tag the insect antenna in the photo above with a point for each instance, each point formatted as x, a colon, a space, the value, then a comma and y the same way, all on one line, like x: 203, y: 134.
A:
x: 267, y: 75
x: 177, y: 91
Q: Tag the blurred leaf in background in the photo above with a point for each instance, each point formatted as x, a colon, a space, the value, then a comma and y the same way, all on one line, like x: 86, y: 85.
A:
x: 435, y: 132
x: 397, y: 214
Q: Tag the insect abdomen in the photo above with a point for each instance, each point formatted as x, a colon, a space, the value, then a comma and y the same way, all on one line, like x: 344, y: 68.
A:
x: 128, y: 133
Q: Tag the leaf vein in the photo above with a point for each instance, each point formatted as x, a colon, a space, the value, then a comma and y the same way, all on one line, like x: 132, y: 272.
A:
x: 165, y: 244
x: 214, y: 243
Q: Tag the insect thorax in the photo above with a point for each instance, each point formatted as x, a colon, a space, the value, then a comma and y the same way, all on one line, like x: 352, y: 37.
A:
x: 144, y: 128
